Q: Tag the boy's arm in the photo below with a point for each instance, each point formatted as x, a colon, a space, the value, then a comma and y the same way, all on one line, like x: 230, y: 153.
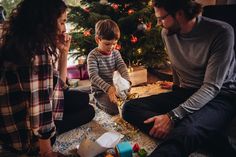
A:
x: 93, y: 73
x: 121, y: 66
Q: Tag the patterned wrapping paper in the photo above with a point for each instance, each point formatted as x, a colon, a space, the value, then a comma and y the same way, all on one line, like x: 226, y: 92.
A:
x: 66, y: 143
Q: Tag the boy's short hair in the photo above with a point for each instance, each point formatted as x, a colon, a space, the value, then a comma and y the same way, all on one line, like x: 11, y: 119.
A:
x: 107, y: 29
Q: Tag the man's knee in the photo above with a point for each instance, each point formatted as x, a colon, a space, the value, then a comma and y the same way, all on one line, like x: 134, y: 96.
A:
x: 91, y: 112
x: 127, y: 109
x: 127, y: 105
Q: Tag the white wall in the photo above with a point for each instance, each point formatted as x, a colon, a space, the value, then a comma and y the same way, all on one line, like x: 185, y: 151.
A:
x: 231, y: 2
x: 219, y: 2
x: 207, y: 2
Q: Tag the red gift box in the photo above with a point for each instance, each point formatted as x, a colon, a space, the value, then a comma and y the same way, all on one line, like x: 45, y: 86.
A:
x: 77, y: 72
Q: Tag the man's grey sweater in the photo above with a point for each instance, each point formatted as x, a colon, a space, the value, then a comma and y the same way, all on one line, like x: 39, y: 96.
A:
x: 204, y: 59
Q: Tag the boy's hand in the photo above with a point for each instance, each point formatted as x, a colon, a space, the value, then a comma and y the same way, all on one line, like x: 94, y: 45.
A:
x: 63, y: 42
x: 112, y: 94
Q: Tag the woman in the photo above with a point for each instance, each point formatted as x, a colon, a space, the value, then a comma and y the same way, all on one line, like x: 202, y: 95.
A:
x: 32, y: 94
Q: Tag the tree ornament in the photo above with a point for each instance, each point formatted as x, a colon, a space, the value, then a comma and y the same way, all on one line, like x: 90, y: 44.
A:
x: 142, y: 27
x: 139, y: 51
x: 87, y: 10
x: 150, y: 3
x: 115, y: 6
x: 133, y: 39
x: 87, y: 33
x: 131, y: 11
x: 103, y: 2
x: 149, y: 26
x: 126, y: 5
x: 118, y: 47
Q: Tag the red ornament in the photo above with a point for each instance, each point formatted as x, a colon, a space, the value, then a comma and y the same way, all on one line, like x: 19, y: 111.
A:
x: 114, y: 6
x: 130, y: 11
x: 126, y: 5
x: 118, y: 47
x: 133, y: 39
x: 86, y: 10
x: 136, y: 147
x: 149, y: 26
x: 87, y: 33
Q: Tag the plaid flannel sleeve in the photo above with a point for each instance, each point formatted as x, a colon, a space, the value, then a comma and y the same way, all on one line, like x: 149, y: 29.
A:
x: 58, y: 97
x: 41, y: 106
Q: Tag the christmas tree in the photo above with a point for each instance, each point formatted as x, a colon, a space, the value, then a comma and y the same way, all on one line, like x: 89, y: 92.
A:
x: 140, y: 42
x: 8, y: 5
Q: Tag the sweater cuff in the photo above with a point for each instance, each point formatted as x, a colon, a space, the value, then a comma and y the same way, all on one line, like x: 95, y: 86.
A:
x: 45, y: 133
x: 105, y: 89
x: 180, y: 112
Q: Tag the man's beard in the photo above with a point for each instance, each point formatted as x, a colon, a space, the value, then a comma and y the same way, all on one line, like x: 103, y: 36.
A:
x: 174, y: 29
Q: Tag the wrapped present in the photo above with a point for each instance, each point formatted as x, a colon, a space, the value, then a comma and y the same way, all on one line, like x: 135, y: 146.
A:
x: 109, y: 155
x: 142, y: 153
x: 124, y: 149
x: 77, y: 72
x: 136, y: 147
x: 89, y: 148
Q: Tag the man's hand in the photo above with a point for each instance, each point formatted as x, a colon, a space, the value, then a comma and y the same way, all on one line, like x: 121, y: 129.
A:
x: 63, y: 42
x: 112, y: 94
x: 162, y: 126
x: 166, y: 85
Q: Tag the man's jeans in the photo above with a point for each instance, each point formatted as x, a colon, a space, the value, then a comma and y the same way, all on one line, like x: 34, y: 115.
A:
x: 204, y: 128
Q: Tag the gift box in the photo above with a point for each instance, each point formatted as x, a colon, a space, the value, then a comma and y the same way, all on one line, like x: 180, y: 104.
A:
x: 77, y: 72
x: 124, y: 149
x: 138, y: 75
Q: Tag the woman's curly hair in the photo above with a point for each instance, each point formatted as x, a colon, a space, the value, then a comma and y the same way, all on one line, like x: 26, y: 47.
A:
x: 31, y: 29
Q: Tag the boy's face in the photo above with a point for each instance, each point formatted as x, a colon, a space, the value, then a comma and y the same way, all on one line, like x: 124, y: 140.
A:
x: 106, y: 46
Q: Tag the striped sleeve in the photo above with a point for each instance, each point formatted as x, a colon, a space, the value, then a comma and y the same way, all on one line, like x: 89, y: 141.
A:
x: 121, y: 66
x: 93, y: 71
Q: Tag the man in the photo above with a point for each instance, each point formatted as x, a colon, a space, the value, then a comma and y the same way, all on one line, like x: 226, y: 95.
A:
x: 201, y: 105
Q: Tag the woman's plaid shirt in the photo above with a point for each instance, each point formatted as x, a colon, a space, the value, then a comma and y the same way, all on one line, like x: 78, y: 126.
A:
x: 28, y: 102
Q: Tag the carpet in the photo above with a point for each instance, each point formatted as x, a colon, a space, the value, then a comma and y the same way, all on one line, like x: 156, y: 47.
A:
x: 66, y: 143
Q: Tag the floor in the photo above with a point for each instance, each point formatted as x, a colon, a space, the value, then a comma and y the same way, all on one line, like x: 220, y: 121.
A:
x: 67, y: 142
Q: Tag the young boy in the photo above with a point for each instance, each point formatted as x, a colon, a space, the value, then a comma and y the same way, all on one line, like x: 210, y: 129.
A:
x: 102, y: 62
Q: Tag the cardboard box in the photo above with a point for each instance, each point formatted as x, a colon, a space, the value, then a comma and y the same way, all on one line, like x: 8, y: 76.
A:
x: 138, y: 75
